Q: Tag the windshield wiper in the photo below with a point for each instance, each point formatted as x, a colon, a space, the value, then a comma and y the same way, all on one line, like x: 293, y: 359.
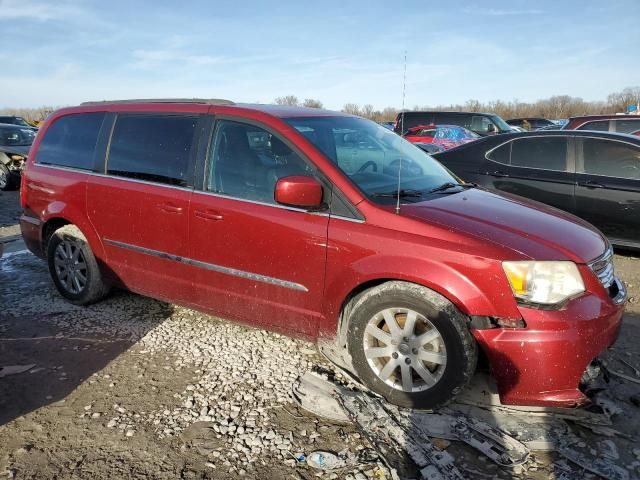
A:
x: 404, y: 193
x: 448, y: 185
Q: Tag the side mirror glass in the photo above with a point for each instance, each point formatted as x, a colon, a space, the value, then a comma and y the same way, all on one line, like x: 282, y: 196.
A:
x: 491, y: 128
x: 299, y: 191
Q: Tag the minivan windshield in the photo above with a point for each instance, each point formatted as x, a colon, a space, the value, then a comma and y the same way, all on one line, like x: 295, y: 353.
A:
x: 501, y: 124
x: 372, y: 157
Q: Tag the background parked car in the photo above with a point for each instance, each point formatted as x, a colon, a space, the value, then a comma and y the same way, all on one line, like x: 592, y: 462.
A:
x: 446, y: 136
x: 531, y: 123
x: 594, y: 175
x: 15, y: 142
x: 480, y: 123
x: 605, y: 123
x: 14, y: 120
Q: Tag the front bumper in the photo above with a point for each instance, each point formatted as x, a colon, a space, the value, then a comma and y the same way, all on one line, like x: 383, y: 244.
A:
x: 542, y: 364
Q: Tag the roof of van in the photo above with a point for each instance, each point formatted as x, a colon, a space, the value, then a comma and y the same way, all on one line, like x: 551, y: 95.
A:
x: 281, y: 111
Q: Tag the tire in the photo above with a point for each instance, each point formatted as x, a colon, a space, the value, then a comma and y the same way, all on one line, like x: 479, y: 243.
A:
x: 439, y: 342
x: 7, y: 178
x: 68, y: 252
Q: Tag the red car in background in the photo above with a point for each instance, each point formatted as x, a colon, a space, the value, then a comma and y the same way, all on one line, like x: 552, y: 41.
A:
x: 623, y: 123
x: 446, y: 136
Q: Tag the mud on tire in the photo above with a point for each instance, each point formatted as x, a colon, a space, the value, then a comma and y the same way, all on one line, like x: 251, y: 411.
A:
x: 399, y: 327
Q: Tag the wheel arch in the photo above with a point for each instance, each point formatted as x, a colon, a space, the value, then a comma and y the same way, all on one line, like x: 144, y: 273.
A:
x: 60, y: 218
x: 468, y: 297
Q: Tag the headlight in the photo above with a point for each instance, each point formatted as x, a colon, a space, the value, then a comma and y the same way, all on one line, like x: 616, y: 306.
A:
x: 545, y: 283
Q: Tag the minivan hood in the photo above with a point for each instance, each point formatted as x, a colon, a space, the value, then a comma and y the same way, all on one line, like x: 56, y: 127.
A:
x: 530, y: 228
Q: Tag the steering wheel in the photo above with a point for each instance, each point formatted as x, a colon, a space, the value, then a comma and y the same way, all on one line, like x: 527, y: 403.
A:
x: 409, y: 166
x: 368, y: 164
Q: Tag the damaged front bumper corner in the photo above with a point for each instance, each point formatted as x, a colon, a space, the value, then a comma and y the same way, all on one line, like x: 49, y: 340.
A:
x: 543, y: 363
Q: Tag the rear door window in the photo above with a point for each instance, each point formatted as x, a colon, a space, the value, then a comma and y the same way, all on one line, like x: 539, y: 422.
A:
x: 155, y: 148
x: 598, y: 125
x: 610, y: 158
x: 626, y: 126
x: 71, y: 141
x: 547, y: 153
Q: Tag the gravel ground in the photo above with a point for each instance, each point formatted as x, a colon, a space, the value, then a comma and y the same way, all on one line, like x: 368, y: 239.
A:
x: 136, y: 388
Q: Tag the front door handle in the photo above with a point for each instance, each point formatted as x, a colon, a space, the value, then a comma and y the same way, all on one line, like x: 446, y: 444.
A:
x: 169, y: 207
x: 591, y: 184
x: 208, y: 215
x: 498, y: 173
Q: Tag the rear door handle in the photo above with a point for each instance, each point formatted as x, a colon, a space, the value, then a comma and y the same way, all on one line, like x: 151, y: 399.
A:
x: 591, y: 184
x: 208, y: 215
x: 498, y: 173
x: 169, y: 207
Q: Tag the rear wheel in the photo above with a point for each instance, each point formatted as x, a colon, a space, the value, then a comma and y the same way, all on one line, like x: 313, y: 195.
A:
x: 73, y: 267
x: 411, y: 345
x: 7, y: 179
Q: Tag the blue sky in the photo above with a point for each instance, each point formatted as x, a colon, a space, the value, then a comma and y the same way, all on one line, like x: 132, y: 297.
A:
x: 65, y: 52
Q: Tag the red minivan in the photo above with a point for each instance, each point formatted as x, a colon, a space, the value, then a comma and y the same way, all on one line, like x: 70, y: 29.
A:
x: 328, y: 227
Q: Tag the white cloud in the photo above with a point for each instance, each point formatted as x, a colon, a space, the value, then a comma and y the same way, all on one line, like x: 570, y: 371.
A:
x: 35, y: 10
x: 497, y: 12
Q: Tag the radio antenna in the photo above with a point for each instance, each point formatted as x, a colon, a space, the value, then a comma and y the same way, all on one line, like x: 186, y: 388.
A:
x: 404, y: 91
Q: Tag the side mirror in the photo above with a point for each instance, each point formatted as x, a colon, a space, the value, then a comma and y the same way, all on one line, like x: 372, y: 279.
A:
x: 491, y: 128
x: 299, y: 191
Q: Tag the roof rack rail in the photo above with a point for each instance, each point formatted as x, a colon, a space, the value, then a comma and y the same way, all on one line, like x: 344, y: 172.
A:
x: 205, y: 101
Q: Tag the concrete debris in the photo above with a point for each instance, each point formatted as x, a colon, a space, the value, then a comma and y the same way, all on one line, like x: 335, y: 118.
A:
x: 7, y: 370
x: 318, y: 396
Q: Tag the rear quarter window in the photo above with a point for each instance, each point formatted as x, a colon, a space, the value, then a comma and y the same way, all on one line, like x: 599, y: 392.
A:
x: 71, y: 141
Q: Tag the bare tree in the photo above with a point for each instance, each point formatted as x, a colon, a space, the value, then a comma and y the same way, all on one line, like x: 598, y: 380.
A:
x: 287, y: 100
x: 312, y: 103
x: 351, y: 108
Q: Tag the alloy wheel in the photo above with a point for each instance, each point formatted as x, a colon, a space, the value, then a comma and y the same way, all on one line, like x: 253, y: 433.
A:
x: 404, y: 349
x: 70, y: 266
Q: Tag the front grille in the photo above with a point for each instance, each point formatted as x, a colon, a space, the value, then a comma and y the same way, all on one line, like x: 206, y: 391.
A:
x: 603, y: 268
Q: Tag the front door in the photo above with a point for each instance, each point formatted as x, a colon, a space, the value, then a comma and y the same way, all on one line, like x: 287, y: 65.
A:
x: 254, y: 260
x: 608, y: 187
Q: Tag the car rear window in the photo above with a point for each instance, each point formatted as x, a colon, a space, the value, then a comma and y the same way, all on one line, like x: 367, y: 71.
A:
x: 71, y: 141
x: 154, y: 148
x: 610, y: 158
x: 626, y: 126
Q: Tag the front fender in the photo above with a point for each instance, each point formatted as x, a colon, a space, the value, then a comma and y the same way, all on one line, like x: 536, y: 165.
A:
x: 482, y: 293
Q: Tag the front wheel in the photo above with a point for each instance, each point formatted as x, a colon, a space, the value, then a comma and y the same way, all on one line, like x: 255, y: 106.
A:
x: 410, y: 345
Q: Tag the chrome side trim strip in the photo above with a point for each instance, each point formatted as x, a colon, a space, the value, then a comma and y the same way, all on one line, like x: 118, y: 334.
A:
x: 31, y: 220
x: 210, y: 266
